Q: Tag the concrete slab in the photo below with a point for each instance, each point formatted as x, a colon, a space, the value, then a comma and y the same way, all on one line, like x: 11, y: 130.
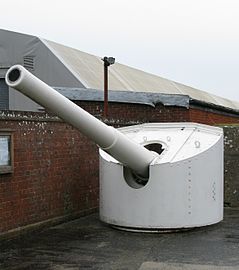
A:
x: 86, y: 243
x: 180, y: 266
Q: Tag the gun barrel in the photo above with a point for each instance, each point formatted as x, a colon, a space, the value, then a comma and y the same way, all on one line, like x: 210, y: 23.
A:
x: 115, y: 143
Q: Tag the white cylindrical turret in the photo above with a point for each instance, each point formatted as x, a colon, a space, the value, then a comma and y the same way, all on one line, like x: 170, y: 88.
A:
x: 109, y: 139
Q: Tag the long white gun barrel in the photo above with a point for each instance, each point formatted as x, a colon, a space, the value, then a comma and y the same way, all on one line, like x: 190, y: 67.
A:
x: 115, y: 143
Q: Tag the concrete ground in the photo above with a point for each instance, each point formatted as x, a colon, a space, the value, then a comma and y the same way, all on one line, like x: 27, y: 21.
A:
x: 86, y: 243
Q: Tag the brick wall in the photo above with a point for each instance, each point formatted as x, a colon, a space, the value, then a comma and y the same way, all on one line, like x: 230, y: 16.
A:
x: 211, y: 117
x: 231, y: 164
x: 54, y: 172
x: 56, y: 167
x: 142, y: 113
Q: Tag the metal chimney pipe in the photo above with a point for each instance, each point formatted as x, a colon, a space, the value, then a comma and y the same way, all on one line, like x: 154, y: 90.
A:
x: 109, y: 139
x: 105, y: 90
x: 107, y: 62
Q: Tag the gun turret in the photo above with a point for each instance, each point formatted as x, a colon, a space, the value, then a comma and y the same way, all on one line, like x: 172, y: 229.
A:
x: 180, y: 187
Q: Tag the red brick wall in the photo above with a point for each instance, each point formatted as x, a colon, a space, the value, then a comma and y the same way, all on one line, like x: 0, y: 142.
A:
x: 54, y: 173
x: 56, y: 168
x: 211, y: 118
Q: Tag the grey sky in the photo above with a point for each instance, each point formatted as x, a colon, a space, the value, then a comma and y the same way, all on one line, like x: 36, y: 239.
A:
x: 192, y: 42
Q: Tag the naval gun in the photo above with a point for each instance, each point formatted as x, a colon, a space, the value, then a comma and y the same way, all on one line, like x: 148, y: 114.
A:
x: 177, y: 185
x: 107, y: 138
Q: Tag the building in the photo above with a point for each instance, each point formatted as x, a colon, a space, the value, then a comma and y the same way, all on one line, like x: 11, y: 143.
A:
x: 79, y: 76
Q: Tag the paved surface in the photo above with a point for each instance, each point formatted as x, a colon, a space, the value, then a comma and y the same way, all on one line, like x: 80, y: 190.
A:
x: 183, y: 266
x: 86, y: 243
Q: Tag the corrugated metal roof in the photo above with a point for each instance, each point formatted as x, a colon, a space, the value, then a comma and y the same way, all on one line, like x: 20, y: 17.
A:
x: 89, y: 70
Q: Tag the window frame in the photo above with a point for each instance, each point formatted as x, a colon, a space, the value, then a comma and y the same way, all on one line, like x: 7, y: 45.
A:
x: 4, y: 169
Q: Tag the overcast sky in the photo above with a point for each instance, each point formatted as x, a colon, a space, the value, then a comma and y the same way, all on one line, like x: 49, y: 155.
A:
x: 192, y: 42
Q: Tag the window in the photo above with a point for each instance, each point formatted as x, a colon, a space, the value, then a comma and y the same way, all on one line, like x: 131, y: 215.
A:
x: 6, y: 152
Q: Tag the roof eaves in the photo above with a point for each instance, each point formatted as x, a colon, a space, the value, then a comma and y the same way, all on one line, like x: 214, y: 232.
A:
x: 213, y: 106
x: 151, y: 99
